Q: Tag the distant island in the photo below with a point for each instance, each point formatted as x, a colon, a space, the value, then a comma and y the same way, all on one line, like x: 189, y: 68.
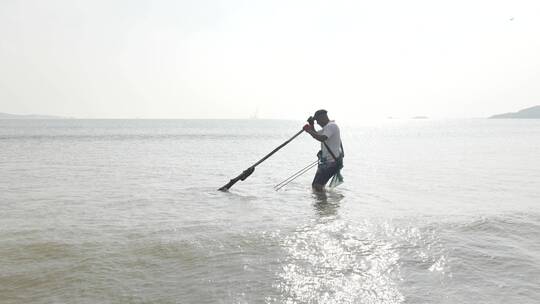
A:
x: 532, y: 112
x: 16, y: 116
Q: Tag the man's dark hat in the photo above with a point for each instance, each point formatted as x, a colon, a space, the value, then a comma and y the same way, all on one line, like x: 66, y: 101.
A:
x: 319, y: 112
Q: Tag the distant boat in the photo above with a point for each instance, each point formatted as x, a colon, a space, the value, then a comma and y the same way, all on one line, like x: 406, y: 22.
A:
x: 532, y: 112
x: 255, y: 114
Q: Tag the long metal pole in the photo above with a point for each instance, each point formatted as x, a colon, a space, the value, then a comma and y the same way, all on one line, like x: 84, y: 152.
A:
x: 295, y: 175
x: 246, y: 173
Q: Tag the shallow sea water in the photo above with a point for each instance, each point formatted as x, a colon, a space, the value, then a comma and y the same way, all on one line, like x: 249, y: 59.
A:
x: 126, y: 211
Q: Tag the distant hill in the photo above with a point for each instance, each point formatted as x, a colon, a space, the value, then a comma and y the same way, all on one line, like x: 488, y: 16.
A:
x: 15, y: 116
x: 532, y: 112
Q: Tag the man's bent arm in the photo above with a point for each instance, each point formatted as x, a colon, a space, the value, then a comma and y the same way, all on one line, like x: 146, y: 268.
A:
x: 318, y: 137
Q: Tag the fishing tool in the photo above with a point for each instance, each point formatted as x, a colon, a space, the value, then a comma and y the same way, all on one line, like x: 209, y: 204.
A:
x: 295, y: 175
x: 246, y: 173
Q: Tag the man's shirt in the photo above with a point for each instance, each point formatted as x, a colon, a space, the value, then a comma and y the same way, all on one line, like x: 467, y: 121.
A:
x: 331, y: 131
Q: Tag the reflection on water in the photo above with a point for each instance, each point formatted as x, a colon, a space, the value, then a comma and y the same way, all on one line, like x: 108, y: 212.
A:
x: 326, y: 203
x: 329, y: 260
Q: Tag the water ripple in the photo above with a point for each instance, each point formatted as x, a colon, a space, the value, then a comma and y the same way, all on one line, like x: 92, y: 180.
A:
x: 334, y: 262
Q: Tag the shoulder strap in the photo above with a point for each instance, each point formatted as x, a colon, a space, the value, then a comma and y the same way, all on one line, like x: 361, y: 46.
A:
x: 329, y: 150
x: 332, y: 153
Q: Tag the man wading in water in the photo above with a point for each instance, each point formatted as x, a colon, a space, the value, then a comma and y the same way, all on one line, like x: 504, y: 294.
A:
x: 331, y: 154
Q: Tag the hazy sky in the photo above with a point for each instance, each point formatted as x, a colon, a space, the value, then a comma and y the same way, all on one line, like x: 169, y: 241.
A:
x: 225, y: 59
